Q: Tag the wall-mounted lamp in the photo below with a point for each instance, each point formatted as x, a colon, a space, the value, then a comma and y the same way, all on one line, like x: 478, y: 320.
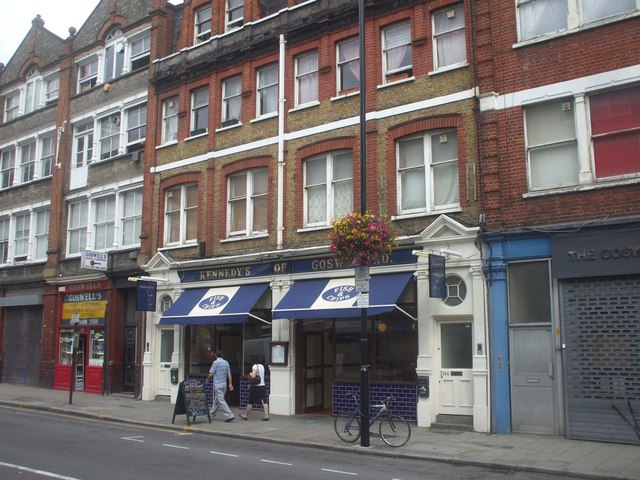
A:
x: 442, y: 251
x: 148, y: 279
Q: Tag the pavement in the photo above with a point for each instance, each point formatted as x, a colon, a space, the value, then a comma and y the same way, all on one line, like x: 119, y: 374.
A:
x: 519, y: 452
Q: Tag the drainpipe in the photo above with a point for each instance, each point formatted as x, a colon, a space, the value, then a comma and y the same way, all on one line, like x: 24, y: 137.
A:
x: 281, y: 105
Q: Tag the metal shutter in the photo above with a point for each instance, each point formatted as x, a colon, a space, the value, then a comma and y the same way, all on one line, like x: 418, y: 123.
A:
x: 22, y: 335
x: 601, y: 332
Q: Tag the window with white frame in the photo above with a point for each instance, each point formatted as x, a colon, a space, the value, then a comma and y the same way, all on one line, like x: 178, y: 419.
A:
x: 83, y: 144
x: 131, y: 217
x: 544, y: 17
x: 46, y: 156
x: 181, y: 215
x: 328, y: 188
x: 170, y: 120
x: 267, y: 90
x: 396, y: 49
x: 4, y: 240
x: 231, y: 100
x: 41, y: 234
x: 27, y: 162
x: 202, y: 27
x: 11, y: 105
x: 306, y: 66
x: 114, y: 55
x: 8, y: 167
x: 33, y: 91
x: 247, y: 203
x: 428, y: 172
x: 140, y: 50
x: 21, y: 229
x: 51, y: 87
x: 77, y: 226
x: 136, y: 124
x: 104, y: 213
x: 553, y: 147
x: 234, y: 13
x: 109, y: 136
x: 87, y: 74
x: 199, y: 110
x: 449, y: 43
x: 349, y: 64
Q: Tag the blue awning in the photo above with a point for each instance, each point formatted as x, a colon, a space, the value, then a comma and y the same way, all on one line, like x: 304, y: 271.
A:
x: 201, y: 306
x: 337, y: 298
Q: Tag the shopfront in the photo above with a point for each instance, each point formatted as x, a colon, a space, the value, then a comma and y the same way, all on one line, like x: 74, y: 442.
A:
x: 81, y: 333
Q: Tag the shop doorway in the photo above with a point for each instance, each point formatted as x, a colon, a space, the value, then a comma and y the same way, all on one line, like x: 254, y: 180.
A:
x: 314, y: 371
x: 166, y: 352
x: 231, y: 345
x: 455, y: 344
x: 313, y: 366
x: 129, y: 360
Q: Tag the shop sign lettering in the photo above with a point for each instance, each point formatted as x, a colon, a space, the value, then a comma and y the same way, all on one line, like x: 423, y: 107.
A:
x: 603, y: 253
x: 340, y: 294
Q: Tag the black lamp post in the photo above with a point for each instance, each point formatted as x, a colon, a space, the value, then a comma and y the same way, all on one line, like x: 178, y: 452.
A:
x: 364, y: 333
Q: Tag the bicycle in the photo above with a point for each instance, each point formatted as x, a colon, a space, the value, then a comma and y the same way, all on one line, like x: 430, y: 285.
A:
x: 394, y: 430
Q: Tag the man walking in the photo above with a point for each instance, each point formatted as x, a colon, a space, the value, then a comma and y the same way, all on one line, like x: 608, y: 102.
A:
x: 221, y: 374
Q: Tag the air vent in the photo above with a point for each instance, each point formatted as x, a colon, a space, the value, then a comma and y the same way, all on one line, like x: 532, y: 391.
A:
x: 444, y: 138
x: 115, y: 119
x: 566, y: 106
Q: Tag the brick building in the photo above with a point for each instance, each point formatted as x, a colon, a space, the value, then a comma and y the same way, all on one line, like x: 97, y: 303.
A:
x: 253, y: 148
x: 559, y: 169
x: 72, y: 142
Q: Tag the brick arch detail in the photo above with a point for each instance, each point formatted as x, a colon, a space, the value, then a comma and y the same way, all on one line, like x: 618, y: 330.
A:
x: 115, y: 21
x: 33, y: 62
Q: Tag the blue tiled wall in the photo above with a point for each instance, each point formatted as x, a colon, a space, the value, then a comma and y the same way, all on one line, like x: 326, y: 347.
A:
x: 404, y: 404
x: 244, y: 393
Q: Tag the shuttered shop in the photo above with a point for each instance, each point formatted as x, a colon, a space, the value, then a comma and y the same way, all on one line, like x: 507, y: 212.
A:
x: 22, y: 339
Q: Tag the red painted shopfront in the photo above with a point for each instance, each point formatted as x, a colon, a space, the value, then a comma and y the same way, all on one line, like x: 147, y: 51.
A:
x: 81, y: 331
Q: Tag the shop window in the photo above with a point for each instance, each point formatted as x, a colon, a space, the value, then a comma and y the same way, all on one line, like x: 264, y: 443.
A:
x: 328, y: 188
x: 66, y: 347
x: 529, y: 285
x: 306, y: 66
x: 96, y: 348
x: 449, y: 43
x: 428, y: 172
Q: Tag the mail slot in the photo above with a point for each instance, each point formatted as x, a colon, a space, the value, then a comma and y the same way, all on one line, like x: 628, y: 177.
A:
x: 456, y: 374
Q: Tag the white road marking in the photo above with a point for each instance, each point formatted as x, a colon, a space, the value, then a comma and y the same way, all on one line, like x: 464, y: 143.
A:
x: 134, y: 439
x: 36, y: 471
x: 175, y: 446
x: 338, y: 471
x: 224, y: 454
x: 277, y: 463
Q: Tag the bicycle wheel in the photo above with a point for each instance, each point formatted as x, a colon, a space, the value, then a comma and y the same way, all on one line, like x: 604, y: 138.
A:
x: 395, y: 431
x: 347, y: 427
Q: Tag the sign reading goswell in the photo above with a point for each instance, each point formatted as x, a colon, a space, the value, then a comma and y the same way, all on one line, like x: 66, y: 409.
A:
x: 89, y: 308
x: 95, y: 260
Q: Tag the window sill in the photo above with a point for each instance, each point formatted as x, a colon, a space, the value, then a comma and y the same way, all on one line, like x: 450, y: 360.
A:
x: 405, y: 216
x: 240, y: 238
x: 399, y: 81
x: 313, y: 229
x: 448, y: 68
x: 583, y: 188
x: 342, y: 96
x: 305, y: 106
x: 199, y: 135
x: 264, y: 117
x: 177, y: 247
x: 229, y: 127
x: 168, y: 144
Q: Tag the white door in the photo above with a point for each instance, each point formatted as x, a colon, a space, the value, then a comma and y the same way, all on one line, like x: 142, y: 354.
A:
x: 456, y: 363
x: 164, y: 368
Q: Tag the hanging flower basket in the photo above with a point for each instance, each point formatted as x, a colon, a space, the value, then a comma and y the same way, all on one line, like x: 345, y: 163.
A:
x: 360, y: 239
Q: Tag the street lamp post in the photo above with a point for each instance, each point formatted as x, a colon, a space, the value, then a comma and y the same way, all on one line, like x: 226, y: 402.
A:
x: 364, y: 331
